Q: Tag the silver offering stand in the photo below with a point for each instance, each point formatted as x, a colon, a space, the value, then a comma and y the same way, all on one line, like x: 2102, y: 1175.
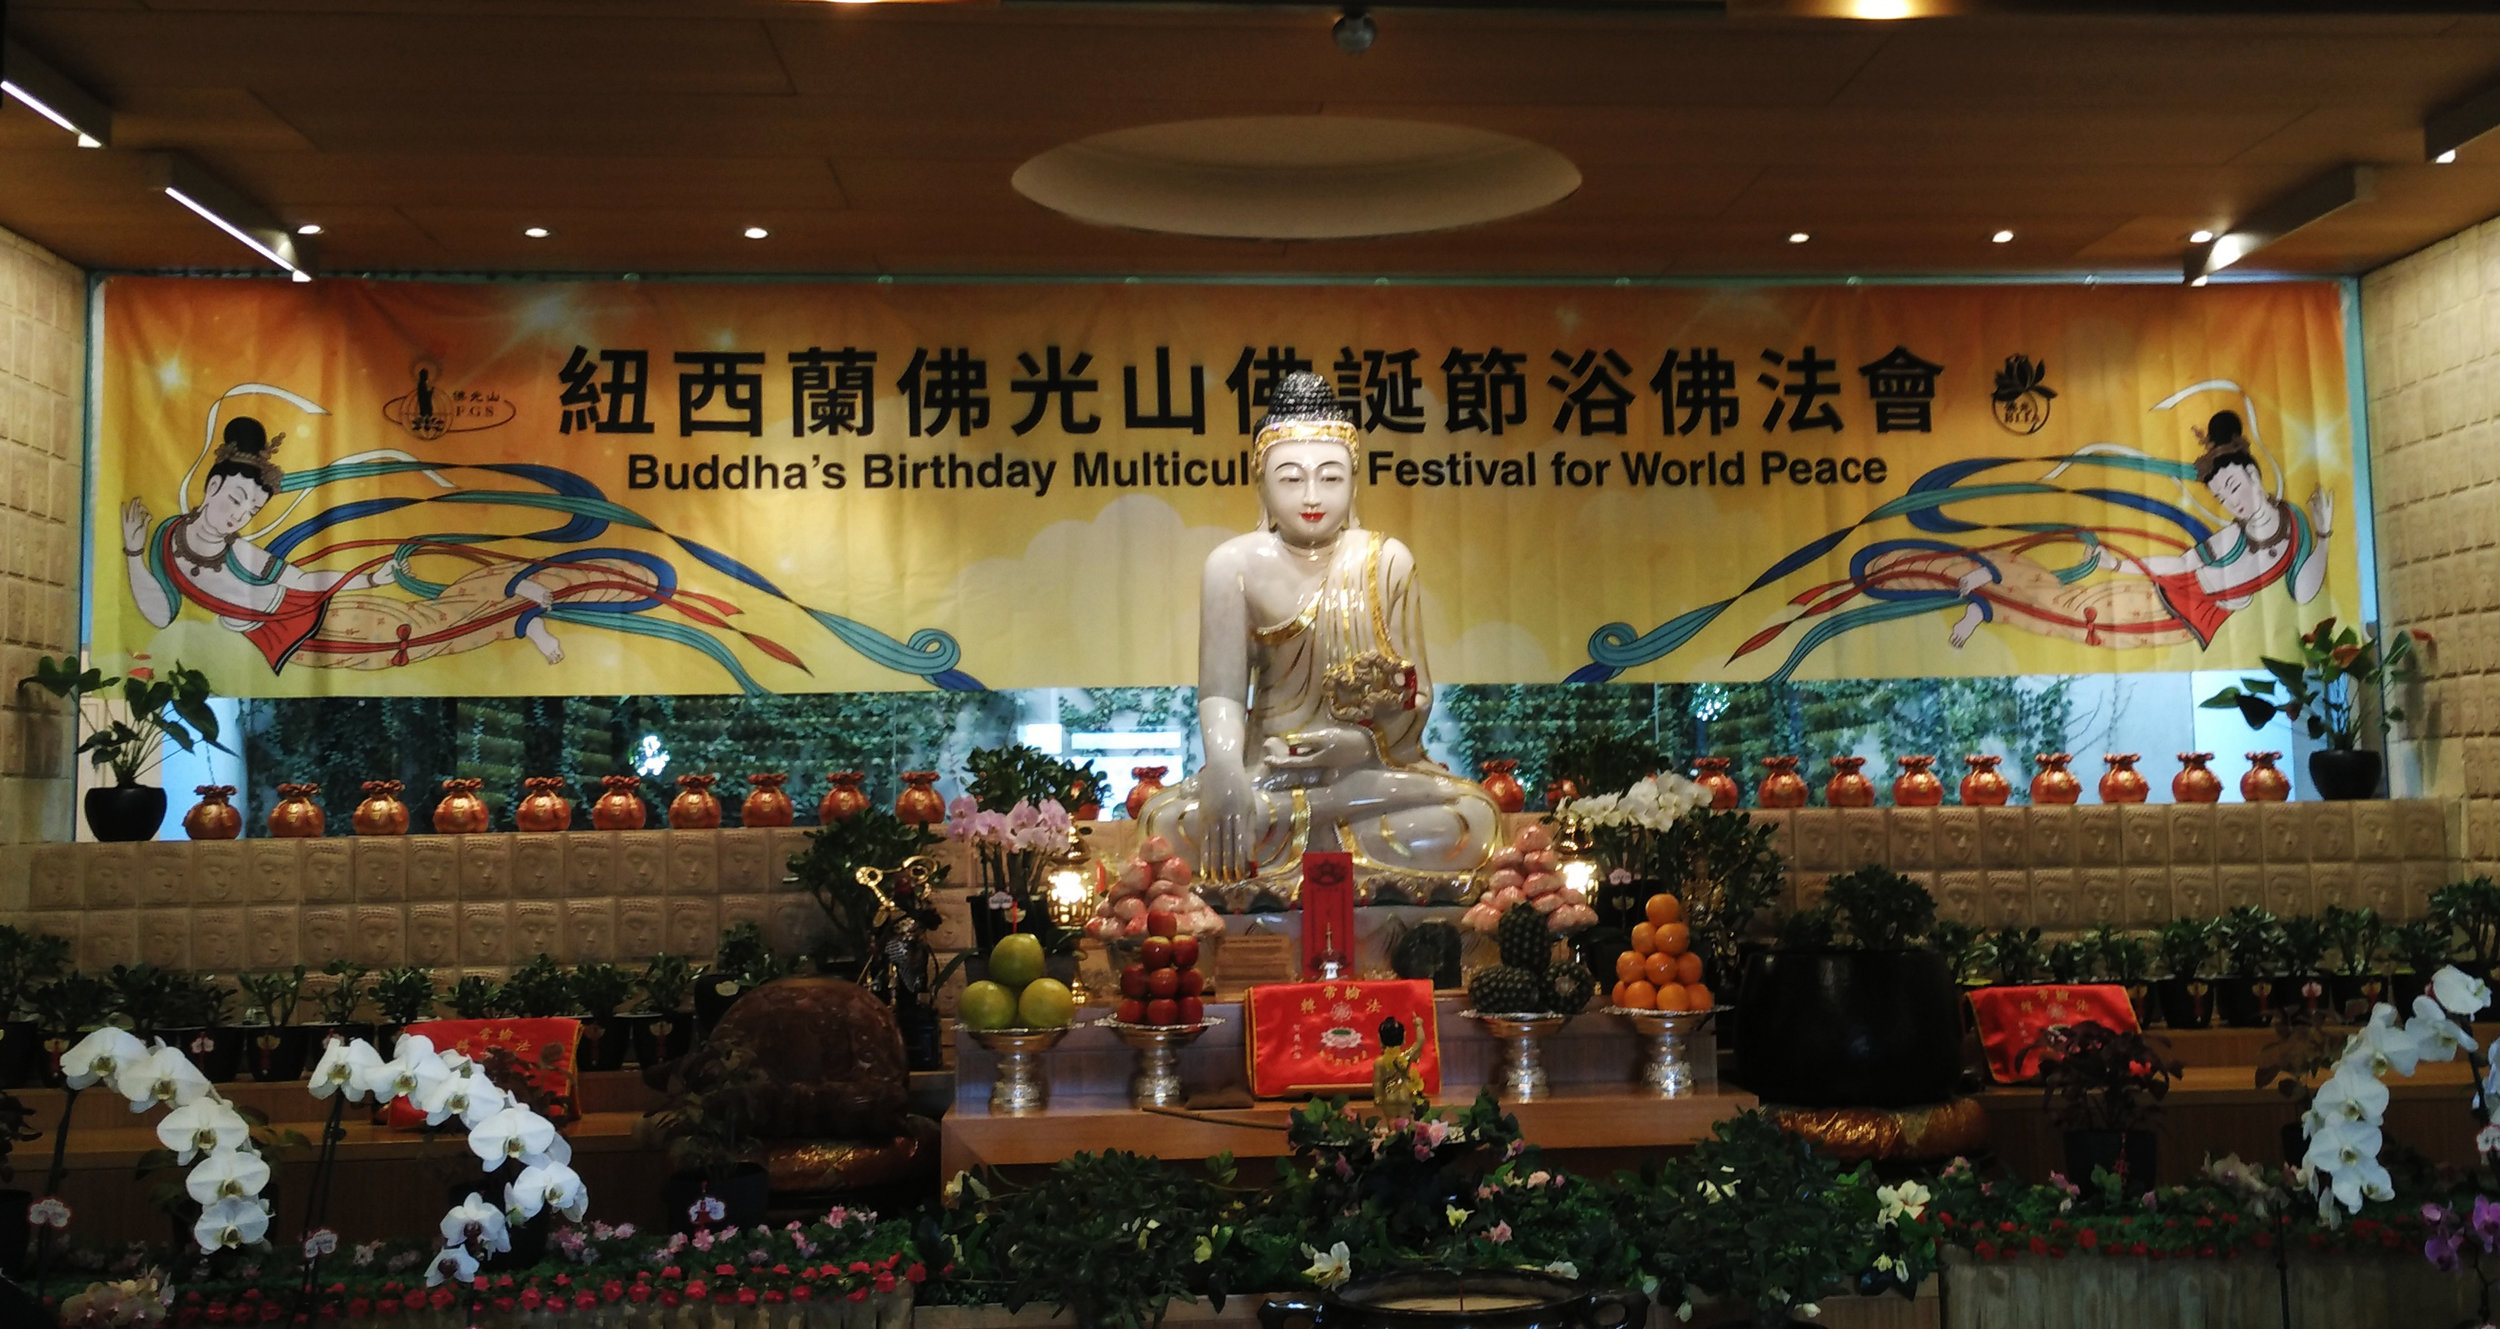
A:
x: 1668, y: 1072
x: 1158, y: 1080
x: 1523, y: 1059
x: 1021, y: 1090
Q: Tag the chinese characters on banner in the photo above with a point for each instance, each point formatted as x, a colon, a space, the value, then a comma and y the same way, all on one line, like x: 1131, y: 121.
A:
x: 599, y: 488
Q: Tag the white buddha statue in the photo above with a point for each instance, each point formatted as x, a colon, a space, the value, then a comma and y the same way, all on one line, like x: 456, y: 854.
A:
x: 1312, y: 687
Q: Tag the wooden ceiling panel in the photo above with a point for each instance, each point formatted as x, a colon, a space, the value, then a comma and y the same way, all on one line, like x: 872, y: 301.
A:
x: 426, y: 133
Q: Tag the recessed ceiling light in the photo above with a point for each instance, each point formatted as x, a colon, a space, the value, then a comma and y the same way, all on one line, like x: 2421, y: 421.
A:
x: 756, y: 233
x: 309, y: 228
x: 1798, y: 237
x: 536, y: 232
x: 2447, y: 158
x: 2003, y: 237
x: 2199, y: 236
x: 1881, y: 9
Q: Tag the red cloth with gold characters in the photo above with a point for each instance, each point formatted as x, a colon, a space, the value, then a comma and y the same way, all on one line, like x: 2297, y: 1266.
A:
x: 541, y: 1049
x: 1321, y: 1038
x: 2013, y: 1019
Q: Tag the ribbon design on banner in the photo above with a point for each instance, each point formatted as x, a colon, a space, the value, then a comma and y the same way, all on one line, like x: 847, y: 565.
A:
x: 608, y: 587
x: 2140, y: 604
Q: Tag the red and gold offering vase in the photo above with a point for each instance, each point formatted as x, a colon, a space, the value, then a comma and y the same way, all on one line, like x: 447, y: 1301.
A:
x: 382, y: 812
x: 297, y: 816
x: 767, y: 804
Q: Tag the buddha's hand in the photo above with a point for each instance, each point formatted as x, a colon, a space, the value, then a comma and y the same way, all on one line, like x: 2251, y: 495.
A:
x: 1228, y: 848
x: 1318, y: 755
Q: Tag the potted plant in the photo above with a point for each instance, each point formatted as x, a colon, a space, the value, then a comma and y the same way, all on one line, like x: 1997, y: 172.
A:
x: 143, y: 997
x: 2104, y: 1088
x: 1852, y: 1009
x: 2300, y: 961
x: 538, y: 990
x: 403, y: 995
x: 1765, y: 1224
x: 2124, y: 959
x: 599, y: 991
x: 664, y: 1027
x: 475, y: 997
x: 2073, y: 961
x: 28, y: 960
x: 1965, y: 950
x: 198, y: 1014
x: 66, y: 1008
x: 2356, y: 981
x: 2424, y: 947
x: 2018, y: 957
x: 2252, y: 943
x: 742, y: 964
x: 707, y: 1129
x: 2319, y: 690
x: 828, y: 870
x: 2472, y: 909
x: 276, y: 1045
x: 1723, y: 866
x: 2188, y: 948
x: 338, y: 1003
x: 136, y: 716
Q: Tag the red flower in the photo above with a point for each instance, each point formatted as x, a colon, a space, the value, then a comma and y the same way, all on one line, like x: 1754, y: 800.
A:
x: 859, y: 1266
x: 773, y: 1297
x: 725, y: 1270
x: 746, y: 1296
x: 2088, y: 1239
x: 532, y: 1299
x: 1986, y: 1250
x: 583, y: 1301
x: 641, y: 1292
x: 360, y: 1307
x: 2005, y: 1227
x: 885, y: 1282
x: 612, y: 1289
x: 859, y: 1294
x: 667, y: 1298
x: 917, y: 1273
x: 802, y: 1292
x: 698, y: 1289
x: 439, y: 1298
x: 671, y: 1272
x: 782, y: 1269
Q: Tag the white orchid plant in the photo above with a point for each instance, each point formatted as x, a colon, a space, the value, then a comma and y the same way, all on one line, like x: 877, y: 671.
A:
x: 205, y: 1132
x: 1626, y: 827
x: 503, y: 1132
x: 2344, y: 1121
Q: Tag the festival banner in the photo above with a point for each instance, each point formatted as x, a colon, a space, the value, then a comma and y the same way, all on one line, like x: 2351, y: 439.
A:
x: 409, y: 488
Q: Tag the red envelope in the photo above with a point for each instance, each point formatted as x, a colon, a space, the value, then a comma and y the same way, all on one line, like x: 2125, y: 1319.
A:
x: 1321, y: 1038
x: 2013, y: 1019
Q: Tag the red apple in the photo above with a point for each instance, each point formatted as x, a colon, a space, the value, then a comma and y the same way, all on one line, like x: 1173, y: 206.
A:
x: 1130, y: 1012
x: 1163, y: 1010
x: 1164, y: 983
x: 1184, y: 951
x: 1192, y: 982
x: 1161, y: 923
x: 1157, y: 953
x: 1191, y: 1011
x: 1133, y: 981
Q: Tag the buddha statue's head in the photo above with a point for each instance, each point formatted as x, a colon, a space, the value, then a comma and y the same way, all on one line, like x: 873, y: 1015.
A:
x: 1303, y: 458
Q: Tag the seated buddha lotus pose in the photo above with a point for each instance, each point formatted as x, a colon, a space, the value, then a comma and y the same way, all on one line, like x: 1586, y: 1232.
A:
x: 1312, y: 688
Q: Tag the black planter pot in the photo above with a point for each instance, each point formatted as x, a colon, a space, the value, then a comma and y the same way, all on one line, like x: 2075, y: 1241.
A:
x: 1850, y: 1029
x: 712, y: 999
x: 2353, y: 993
x: 2140, y: 1151
x: 276, y: 1053
x: 2244, y: 1003
x: 217, y: 1052
x: 2344, y: 775
x: 125, y: 812
x: 21, y: 1054
x: 2186, y: 1003
x: 2403, y: 988
x: 606, y: 1040
x: 745, y: 1193
x: 2291, y: 993
x: 659, y: 1038
x: 1507, y: 1299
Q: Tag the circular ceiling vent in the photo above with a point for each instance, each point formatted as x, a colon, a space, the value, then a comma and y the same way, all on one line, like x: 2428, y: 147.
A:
x: 1297, y: 177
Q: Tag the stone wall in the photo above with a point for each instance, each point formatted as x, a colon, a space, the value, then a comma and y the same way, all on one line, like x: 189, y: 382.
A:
x: 486, y: 902
x: 42, y: 366
x: 2431, y: 341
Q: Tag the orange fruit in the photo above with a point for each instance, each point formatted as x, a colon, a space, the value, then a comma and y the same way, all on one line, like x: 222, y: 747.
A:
x: 1628, y: 966
x: 1673, y: 938
x: 1688, y: 967
x: 1616, y: 1000
x: 1639, y: 997
x: 1664, y: 908
x: 1670, y: 997
x: 1697, y: 997
x: 1660, y: 969
x: 1644, y: 938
